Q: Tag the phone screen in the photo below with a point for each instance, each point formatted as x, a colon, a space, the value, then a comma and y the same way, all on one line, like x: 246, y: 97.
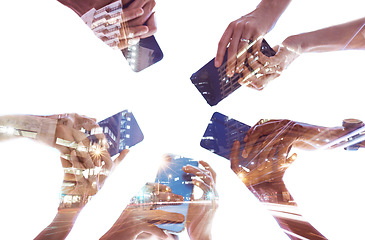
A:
x: 143, y: 54
x: 120, y: 130
x: 212, y: 82
x: 221, y: 133
x: 172, y: 175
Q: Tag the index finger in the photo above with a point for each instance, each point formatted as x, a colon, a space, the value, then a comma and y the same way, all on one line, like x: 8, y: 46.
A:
x: 222, y: 46
x: 209, y: 168
x: 151, y: 24
x: 234, y: 157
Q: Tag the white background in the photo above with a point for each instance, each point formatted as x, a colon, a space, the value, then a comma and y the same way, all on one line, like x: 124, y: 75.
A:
x: 52, y: 63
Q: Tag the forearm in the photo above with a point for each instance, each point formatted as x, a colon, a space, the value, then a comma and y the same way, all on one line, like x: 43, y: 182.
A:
x: 81, y: 7
x: 349, y: 35
x: 33, y: 127
x: 272, y: 10
x: 60, y: 226
x: 313, y: 137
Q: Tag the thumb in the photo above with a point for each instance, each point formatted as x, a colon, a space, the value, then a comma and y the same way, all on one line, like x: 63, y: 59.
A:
x: 121, y: 156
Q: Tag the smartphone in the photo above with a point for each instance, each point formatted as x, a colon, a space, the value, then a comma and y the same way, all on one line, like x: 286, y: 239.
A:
x: 139, y: 56
x: 143, y: 54
x: 121, y: 131
x: 171, y: 174
x: 220, y: 135
x: 212, y: 82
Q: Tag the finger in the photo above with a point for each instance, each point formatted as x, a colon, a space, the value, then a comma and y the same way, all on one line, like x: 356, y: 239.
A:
x: 152, y: 27
x: 241, y: 55
x: 120, y: 157
x: 270, y: 147
x: 79, y: 136
x: 66, y: 163
x: 251, y: 140
x: 206, y: 188
x: 196, y: 171
x: 232, y: 51
x: 168, y: 197
x: 145, y: 16
x: 208, y: 168
x: 162, y: 216
x: 234, y: 157
x: 76, y: 161
x: 222, y: 45
x: 85, y: 122
x: 105, y: 158
x: 132, y: 33
x: 261, y: 82
x: 154, y: 230
x: 254, y: 151
x: 157, y: 187
x: 129, y: 14
x: 252, y: 136
x: 84, y: 158
x: 204, y: 175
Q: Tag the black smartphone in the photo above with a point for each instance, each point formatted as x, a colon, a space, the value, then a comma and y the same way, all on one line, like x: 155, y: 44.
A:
x: 212, y: 82
x: 171, y: 174
x: 121, y: 131
x: 143, y: 54
x: 105, y: 25
x: 220, y: 135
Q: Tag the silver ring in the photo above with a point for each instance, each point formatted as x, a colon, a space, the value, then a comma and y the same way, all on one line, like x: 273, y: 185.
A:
x: 245, y: 40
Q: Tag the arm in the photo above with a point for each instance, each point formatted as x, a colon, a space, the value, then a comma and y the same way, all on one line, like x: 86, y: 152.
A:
x: 248, y: 28
x: 119, y: 25
x: 345, y: 36
x: 60, y: 226
x: 34, y: 127
x: 271, y: 140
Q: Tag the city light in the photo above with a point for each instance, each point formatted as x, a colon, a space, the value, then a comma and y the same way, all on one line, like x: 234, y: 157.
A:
x: 7, y: 130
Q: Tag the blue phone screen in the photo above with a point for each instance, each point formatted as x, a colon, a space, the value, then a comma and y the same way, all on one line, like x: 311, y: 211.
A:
x: 120, y: 130
x: 221, y: 133
x: 172, y: 175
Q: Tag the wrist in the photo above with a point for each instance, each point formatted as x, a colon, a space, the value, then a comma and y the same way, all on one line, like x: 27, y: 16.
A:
x: 295, y: 44
x: 272, y: 10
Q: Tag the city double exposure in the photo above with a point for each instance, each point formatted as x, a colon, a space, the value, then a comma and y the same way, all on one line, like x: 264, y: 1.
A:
x: 155, y: 119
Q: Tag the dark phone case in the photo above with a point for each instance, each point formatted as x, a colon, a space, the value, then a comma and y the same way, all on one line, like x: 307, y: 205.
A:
x: 172, y: 175
x: 144, y: 54
x: 121, y: 131
x: 220, y: 135
x: 213, y: 83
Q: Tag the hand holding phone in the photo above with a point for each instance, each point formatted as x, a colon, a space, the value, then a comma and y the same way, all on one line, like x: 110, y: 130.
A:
x: 202, y: 210
x: 214, y: 84
x: 128, y: 26
x: 221, y: 134
x: 172, y: 175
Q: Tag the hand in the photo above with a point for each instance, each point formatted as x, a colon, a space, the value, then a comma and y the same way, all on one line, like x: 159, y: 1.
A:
x: 246, y: 33
x: 270, y: 141
x: 201, y: 210
x: 68, y: 128
x: 148, y: 17
x: 260, y: 69
x: 139, y: 219
x: 84, y: 178
x: 243, y: 35
x: 271, y: 171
